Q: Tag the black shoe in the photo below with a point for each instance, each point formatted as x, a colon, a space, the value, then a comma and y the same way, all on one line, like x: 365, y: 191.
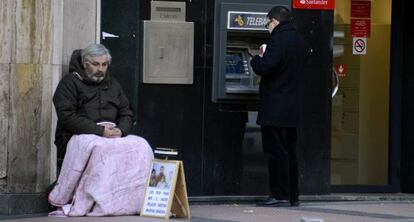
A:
x: 295, y: 203
x: 273, y: 202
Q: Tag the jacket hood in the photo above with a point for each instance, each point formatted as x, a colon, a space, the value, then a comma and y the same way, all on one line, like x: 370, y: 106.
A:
x: 283, y: 26
x: 76, y: 68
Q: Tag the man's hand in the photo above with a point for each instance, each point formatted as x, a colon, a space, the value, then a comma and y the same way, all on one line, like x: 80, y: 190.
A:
x: 262, y: 50
x: 112, y: 132
x: 116, y: 132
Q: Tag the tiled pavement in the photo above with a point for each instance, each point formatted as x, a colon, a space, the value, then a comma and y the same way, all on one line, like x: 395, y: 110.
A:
x: 338, y: 212
x: 335, y: 211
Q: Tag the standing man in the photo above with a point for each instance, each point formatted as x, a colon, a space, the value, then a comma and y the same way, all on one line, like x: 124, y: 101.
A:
x: 281, y: 67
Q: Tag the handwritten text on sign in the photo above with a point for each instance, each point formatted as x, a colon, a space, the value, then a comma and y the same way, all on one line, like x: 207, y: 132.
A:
x: 157, y: 201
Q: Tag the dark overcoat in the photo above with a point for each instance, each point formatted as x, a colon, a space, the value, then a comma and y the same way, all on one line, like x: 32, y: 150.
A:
x: 281, y: 77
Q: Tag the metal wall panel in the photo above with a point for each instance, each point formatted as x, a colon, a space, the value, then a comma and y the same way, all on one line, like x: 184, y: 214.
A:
x: 168, y: 49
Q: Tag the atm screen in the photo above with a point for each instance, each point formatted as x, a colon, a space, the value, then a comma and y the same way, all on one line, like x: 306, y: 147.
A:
x: 239, y: 78
x: 234, y: 63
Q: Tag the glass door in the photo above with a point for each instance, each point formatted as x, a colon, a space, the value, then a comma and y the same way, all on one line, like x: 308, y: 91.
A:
x: 360, y: 108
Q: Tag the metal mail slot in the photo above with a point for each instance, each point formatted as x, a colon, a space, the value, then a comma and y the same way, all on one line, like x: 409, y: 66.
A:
x: 167, y: 11
x: 168, y: 49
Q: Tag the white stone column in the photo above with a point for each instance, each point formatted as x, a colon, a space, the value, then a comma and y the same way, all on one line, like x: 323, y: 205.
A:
x: 37, y: 38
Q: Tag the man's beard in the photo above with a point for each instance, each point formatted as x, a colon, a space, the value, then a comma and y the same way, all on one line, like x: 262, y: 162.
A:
x: 96, y: 77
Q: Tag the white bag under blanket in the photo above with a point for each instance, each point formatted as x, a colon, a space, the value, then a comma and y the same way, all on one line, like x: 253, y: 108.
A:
x: 102, y: 176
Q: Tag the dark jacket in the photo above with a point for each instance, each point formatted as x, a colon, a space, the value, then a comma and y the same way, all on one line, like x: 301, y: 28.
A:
x: 81, y: 103
x: 281, y: 71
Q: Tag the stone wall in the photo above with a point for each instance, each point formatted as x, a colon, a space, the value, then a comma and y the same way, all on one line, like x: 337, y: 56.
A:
x: 36, y: 40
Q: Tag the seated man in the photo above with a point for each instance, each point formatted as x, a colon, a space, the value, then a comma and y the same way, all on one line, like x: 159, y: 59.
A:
x: 104, y: 169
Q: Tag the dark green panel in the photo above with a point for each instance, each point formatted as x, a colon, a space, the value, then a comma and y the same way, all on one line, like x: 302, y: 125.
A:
x: 220, y: 152
x: 121, y: 19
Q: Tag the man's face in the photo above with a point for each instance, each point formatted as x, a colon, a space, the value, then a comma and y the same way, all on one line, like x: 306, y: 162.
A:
x: 96, y: 68
x: 271, y: 24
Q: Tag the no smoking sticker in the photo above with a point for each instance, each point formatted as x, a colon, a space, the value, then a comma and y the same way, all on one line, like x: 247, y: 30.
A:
x: 359, y: 46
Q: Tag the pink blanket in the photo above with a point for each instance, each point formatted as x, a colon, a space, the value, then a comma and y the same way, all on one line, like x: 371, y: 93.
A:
x: 102, y: 176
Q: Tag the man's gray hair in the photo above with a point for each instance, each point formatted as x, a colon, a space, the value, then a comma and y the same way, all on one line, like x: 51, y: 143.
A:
x: 94, y: 50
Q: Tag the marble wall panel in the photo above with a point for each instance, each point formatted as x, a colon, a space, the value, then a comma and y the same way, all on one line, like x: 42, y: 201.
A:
x: 29, y: 132
x: 79, y: 22
x: 4, y: 112
x: 57, y: 26
x: 6, y: 24
x: 44, y: 130
x: 57, y: 73
x: 37, y: 38
x: 34, y: 34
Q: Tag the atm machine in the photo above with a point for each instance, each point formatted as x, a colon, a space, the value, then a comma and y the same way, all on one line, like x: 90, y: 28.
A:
x: 239, y: 30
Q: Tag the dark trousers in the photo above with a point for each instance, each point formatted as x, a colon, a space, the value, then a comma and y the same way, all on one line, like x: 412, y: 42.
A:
x: 279, y: 146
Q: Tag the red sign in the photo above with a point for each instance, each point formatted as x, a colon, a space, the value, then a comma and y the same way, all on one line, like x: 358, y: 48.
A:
x: 340, y: 70
x: 361, y: 9
x: 314, y: 4
x: 360, y: 27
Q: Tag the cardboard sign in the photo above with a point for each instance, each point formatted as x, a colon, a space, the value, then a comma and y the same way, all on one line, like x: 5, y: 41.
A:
x: 360, y: 27
x: 361, y: 9
x: 314, y: 4
x: 166, y: 191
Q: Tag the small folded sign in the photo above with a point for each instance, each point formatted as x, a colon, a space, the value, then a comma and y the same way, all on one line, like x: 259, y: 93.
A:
x: 166, y: 191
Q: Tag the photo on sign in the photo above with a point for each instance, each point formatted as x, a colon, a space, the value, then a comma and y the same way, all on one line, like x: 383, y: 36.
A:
x: 162, y: 175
